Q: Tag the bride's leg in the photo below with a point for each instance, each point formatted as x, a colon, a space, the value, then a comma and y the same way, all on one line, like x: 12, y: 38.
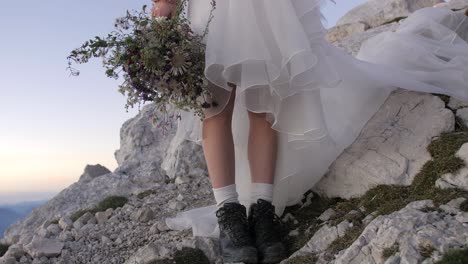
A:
x: 218, y: 146
x: 262, y: 149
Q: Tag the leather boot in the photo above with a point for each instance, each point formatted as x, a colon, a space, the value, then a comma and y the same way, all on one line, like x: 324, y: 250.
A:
x: 237, y: 244
x: 267, y: 229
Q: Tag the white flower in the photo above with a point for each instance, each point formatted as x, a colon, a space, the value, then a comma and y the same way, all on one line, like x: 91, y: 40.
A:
x: 160, y: 19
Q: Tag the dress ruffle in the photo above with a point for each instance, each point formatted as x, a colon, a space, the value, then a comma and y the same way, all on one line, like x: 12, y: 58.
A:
x: 315, y: 95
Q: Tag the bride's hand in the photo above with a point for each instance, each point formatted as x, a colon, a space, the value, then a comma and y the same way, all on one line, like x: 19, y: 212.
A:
x: 163, y: 8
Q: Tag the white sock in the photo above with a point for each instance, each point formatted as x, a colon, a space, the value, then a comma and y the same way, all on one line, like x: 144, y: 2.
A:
x: 261, y: 191
x: 226, y: 194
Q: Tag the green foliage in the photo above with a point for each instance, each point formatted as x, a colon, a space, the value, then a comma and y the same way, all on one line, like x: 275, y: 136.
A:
x: 54, y: 222
x: 426, y: 250
x: 145, y: 194
x: 161, y: 60
x: 464, y: 206
x: 109, y: 202
x: 3, y: 249
x: 455, y: 256
x: 388, y: 252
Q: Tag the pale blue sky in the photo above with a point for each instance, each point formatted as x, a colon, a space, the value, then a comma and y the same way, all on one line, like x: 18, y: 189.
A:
x: 51, y: 124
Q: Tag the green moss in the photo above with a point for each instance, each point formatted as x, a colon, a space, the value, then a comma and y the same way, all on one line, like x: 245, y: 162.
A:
x: 145, y: 194
x: 307, y: 220
x: 345, y: 241
x: 3, y: 249
x: 455, y: 256
x: 109, y: 202
x: 426, y: 250
x: 307, y: 259
x: 464, y: 206
x: 390, y: 251
x: 78, y: 214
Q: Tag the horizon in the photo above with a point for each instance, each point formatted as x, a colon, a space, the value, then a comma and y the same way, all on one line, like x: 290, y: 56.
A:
x: 53, y: 124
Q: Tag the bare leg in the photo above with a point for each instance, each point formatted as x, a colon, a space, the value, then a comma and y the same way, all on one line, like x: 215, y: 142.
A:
x: 218, y: 146
x: 262, y: 149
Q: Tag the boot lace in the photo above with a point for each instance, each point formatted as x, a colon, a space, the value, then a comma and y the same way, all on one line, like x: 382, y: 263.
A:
x: 268, y: 226
x: 234, y: 221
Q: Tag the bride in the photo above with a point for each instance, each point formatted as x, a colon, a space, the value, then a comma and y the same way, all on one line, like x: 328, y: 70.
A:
x: 289, y: 103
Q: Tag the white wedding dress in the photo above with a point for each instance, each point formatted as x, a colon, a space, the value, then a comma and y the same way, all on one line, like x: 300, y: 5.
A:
x: 315, y: 95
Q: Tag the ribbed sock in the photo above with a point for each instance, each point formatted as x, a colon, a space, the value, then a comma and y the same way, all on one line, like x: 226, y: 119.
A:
x: 261, y: 191
x: 226, y: 194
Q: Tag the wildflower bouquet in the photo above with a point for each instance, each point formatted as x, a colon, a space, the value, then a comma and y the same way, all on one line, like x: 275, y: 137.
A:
x: 160, y: 58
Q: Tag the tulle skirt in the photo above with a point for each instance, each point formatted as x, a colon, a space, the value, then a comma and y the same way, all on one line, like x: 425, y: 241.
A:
x: 316, y: 96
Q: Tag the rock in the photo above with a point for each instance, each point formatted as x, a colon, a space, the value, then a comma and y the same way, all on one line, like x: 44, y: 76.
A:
x: 54, y: 229
x: 210, y: 247
x: 43, y: 247
x: 337, y: 33
x: 410, y: 228
x: 65, y: 223
x: 145, y: 255
x: 325, y: 216
x: 352, y: 44
x: 184, y: 159
x: 392, y: 147
x: 463, y: 115
x: 460, y: 178
x: 456, y: 104
x: 16, y: 251
x: 66, y: 236
x: 102, y: 217
x: 375, y: 12
x: 457, y: 4
x: 462, y: 217
x: 7, y: 260
x: 320, y: 241
x: 93, y: 171
x: 143, y: 215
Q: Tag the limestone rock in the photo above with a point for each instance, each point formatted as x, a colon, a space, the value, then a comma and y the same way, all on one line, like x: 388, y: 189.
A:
x: 337, y: 33
x: 40, y: 247
x: 460, y: 178
x: 463, y: 115
x: 391, y: 148
x: 376, y: 12
x: 93, y: 171
x: 65, y: 223
x: 410, y: 229
x: 352, y: 44
x: 145, y: 255
x: 143, y: 215
x: 457, y: 4
x: 456, y: 104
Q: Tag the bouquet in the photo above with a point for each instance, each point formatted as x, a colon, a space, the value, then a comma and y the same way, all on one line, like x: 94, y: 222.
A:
x: 160, y: 58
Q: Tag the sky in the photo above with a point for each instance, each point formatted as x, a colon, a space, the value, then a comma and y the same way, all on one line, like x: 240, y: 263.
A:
x: 52, y: 124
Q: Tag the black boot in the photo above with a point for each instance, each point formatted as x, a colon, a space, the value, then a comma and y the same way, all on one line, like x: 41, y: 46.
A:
x: 268, y: 231
x: 236, y: 242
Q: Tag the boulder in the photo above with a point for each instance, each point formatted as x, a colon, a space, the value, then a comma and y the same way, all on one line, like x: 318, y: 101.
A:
x: 391, y: 148
x: 376, y: 12
x: 93, y: 171
x: 337, y: 33
x: 40, y: 247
